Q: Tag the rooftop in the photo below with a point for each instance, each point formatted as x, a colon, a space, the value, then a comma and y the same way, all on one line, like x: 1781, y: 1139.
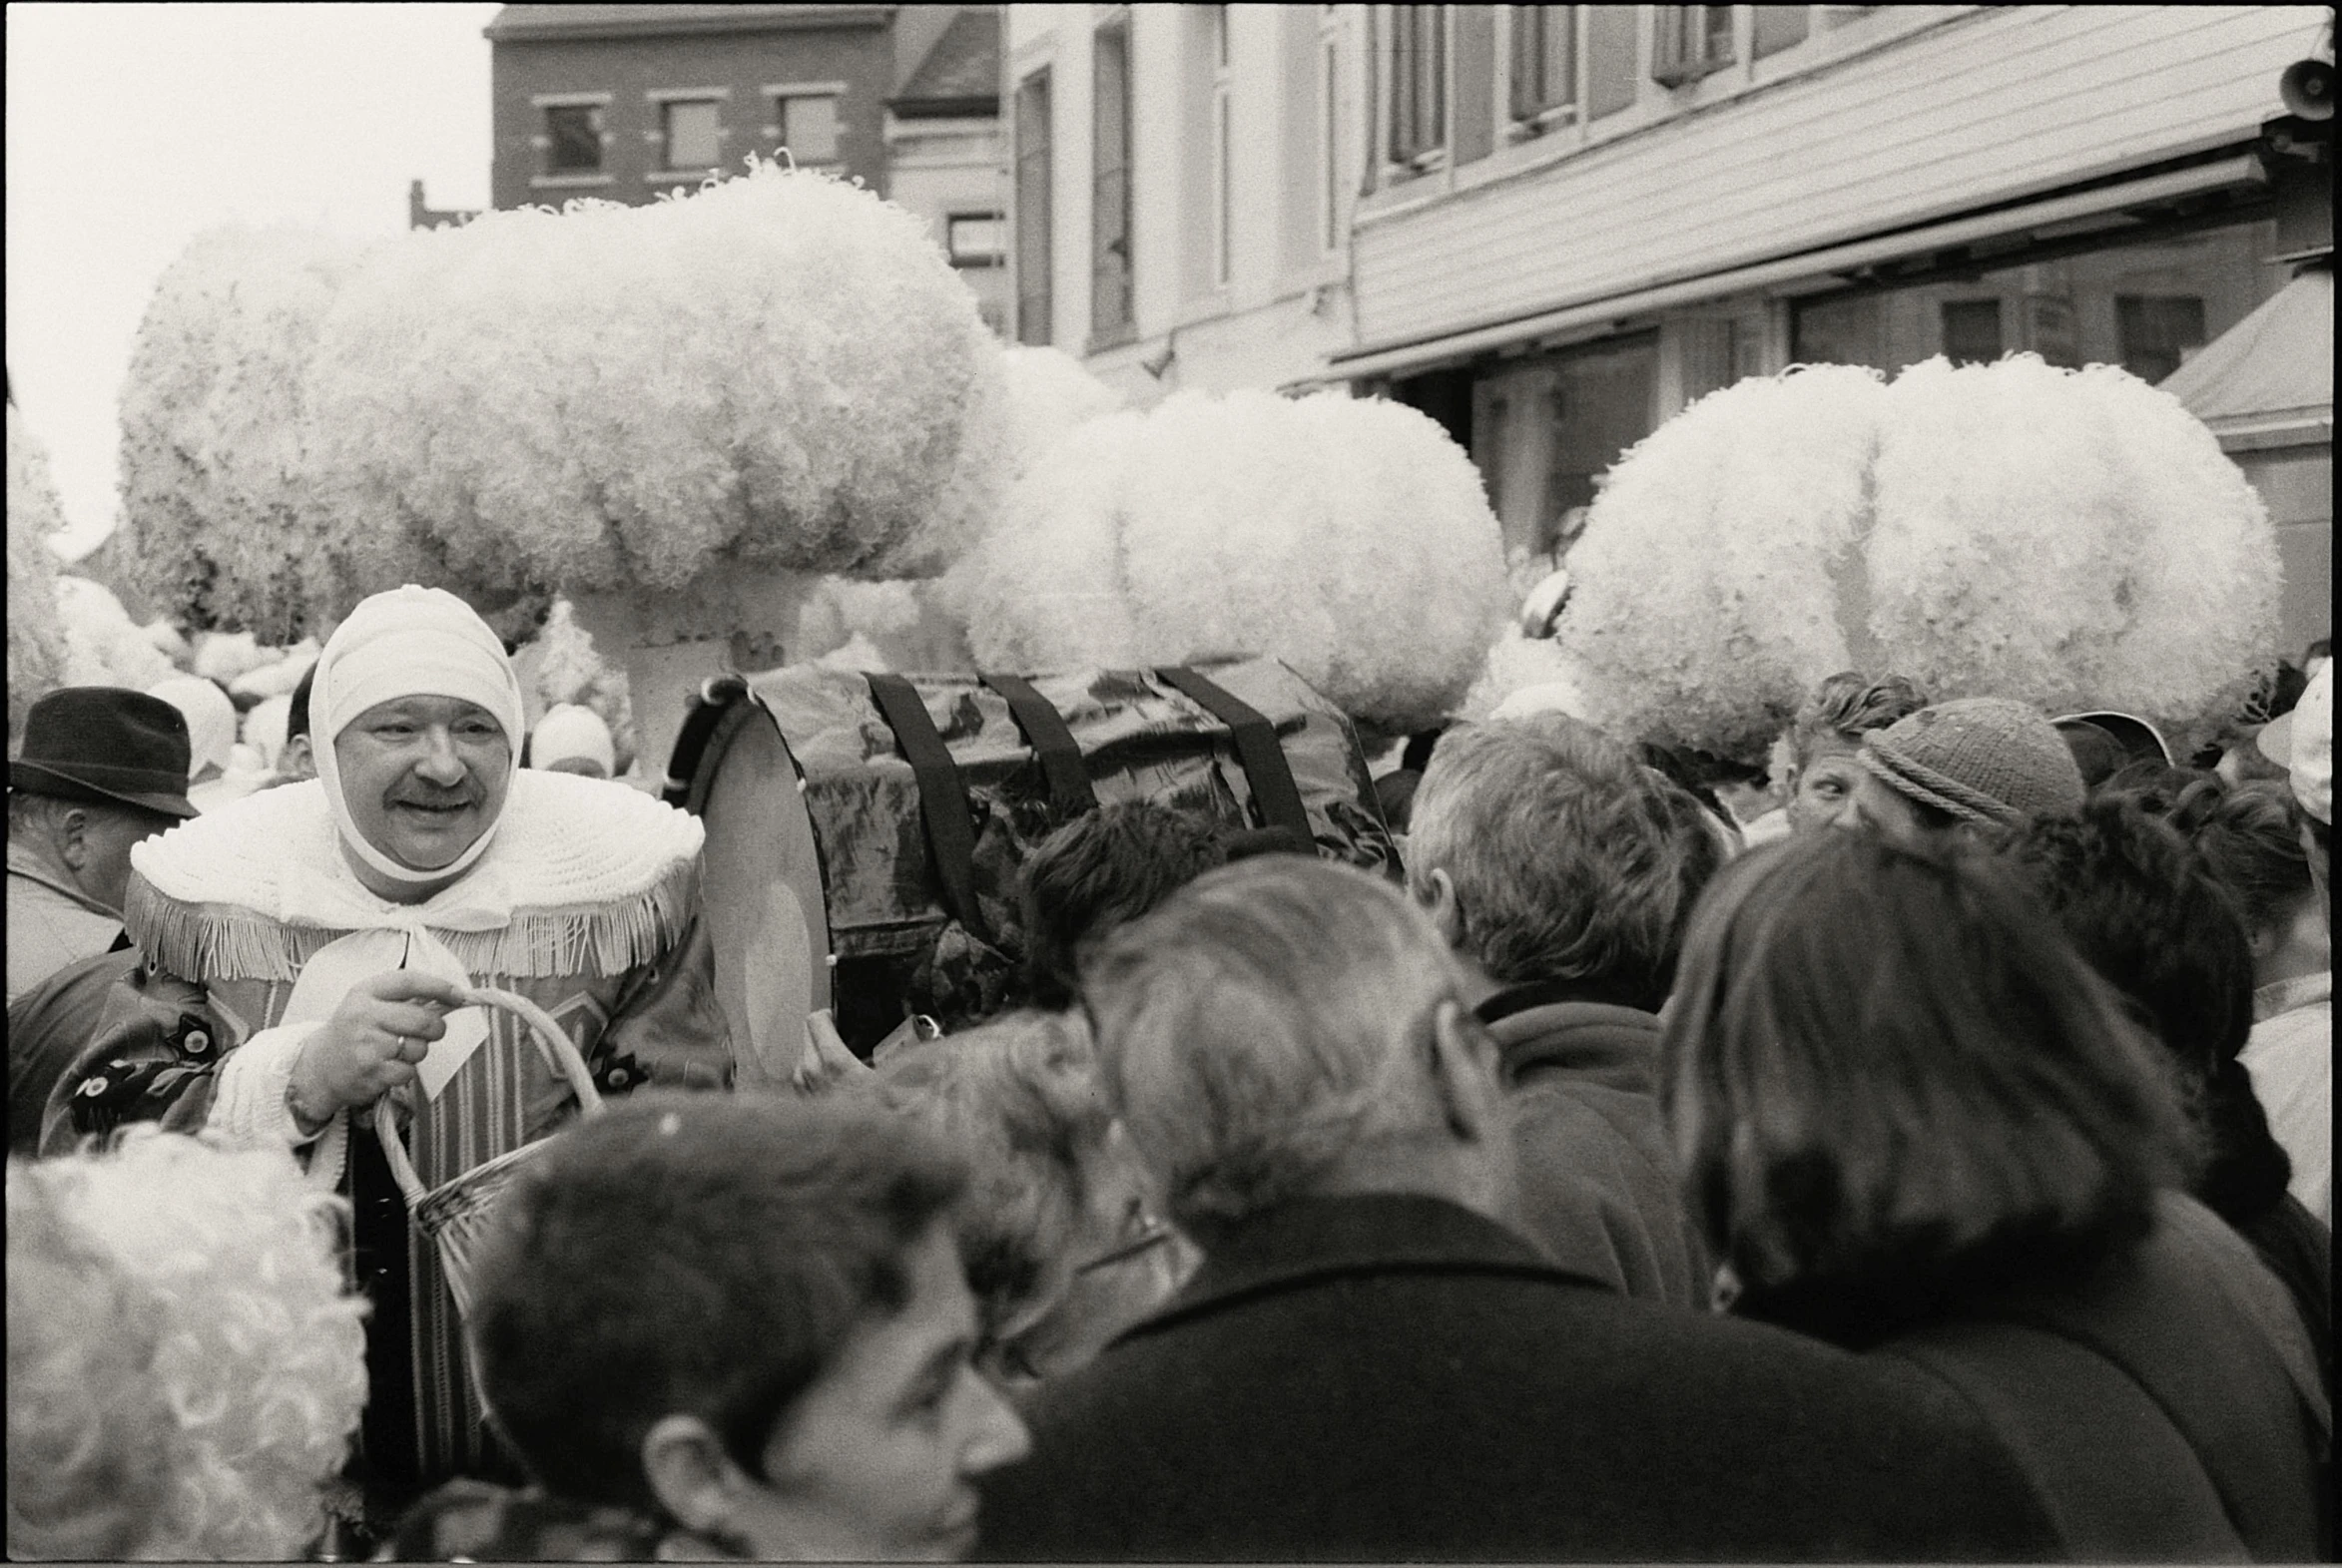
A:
x: 962, y: 73
x: 526, y: 23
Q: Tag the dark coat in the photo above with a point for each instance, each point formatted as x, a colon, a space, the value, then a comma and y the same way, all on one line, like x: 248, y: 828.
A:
x: 2168, y: 1408
x: 1397, y: 1377
x: 1598, y: 1183
x: 48, y: 1029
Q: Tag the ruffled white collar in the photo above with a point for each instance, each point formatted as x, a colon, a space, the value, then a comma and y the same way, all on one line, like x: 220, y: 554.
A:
x: 566, y: 843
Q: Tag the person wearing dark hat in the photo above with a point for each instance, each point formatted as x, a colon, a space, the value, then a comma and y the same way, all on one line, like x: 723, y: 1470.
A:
x: 1977, y: 760
x: 101, y: 769
x: 2105, y: 743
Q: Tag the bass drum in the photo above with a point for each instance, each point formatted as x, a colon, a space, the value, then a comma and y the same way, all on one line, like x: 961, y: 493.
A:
x: 866, y: 832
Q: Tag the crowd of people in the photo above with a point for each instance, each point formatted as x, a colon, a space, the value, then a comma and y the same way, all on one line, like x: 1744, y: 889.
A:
x: 1922, y: 1154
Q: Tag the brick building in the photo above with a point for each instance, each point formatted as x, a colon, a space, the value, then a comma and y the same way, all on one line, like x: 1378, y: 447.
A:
x: 626, y: 102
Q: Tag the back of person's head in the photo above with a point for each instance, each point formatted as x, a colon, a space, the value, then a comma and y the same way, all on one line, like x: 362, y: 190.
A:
x: 1891, y: 1080
x: 2250, y: 840
x: 1845, y: 708
x: 1268, y: 1021
x: 1056, y: 1231
x: 1019, y: 1098
x: 2154, y: 788
x: 1099, y: 871
x: 696, y: 1254
x: 1569, y: 860
x: 2149, y: 914
x: 185, y: 1370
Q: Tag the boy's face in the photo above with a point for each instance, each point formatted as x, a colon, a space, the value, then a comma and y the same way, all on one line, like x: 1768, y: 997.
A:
x: 879, y: 1460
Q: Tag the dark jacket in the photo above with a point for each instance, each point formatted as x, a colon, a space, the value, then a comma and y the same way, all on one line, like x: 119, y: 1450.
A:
x: 1598, y: 1185
x: 48, y: 1028
x: 1397, y: 1377
x: 2168, y: 1408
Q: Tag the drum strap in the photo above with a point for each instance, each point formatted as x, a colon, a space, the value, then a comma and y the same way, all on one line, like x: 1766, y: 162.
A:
x: 1045, y: 732
x: 943, y: 799
x: 1265, y: 767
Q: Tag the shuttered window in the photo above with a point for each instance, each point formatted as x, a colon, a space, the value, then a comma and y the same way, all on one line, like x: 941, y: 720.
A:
x: 1544, y: 59
x: 1419, y: 84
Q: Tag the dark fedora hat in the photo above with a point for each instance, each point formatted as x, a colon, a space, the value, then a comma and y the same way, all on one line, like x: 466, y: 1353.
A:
x: 105, y: 744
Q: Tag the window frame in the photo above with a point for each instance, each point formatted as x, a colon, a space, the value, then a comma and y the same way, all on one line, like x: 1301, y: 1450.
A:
x: 1223, y: 151
x: 1404, y: 150
x: 998, y: 257
x: 1032, y: 164
x: 777, y: 96
x: 1329, y: 130
x: 1545, y: 111
x: 667, y: 104
x: 597, y: 108
x: 1113, y: 314
x: 1676, y: 62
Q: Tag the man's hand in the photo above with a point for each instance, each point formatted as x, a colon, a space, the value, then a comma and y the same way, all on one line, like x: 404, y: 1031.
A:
x: 371, y: 1045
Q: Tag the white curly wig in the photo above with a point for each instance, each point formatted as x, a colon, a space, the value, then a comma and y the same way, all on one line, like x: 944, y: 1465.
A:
x: 185, y: 1370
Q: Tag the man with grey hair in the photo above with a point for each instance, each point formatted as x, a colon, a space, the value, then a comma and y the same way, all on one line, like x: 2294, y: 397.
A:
x: 1560, y: 869
x: 1370, y: 1362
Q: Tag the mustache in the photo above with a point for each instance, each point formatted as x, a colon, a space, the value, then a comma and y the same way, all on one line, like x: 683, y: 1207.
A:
x: 440, y: 801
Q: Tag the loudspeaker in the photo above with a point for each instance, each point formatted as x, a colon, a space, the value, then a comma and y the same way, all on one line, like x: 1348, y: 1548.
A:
x: 2309, y: 89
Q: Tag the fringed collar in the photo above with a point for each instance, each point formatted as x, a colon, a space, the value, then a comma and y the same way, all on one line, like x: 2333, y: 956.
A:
x: 584, y: 877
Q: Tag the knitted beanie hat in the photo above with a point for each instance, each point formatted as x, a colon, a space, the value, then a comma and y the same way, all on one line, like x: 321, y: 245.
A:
x: 1983, y: 758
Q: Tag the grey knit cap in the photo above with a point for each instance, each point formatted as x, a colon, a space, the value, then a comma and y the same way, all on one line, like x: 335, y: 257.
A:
x: 1983, y: 758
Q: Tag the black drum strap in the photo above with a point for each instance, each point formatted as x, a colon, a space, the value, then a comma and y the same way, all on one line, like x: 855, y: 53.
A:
x: 1045, y: 732
x: 943, y: 799
x: 1265, y: 767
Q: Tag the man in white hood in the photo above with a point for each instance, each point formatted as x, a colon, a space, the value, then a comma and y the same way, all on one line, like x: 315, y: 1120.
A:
x: 303, y: 953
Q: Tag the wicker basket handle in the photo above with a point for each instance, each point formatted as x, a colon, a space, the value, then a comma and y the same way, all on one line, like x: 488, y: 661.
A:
x: 553, y: 1044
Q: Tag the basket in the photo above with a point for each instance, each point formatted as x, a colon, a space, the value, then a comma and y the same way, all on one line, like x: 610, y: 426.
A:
x: 456, y: 1214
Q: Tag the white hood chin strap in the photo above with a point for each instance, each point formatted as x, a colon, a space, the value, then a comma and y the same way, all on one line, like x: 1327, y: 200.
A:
x: 409, y: 642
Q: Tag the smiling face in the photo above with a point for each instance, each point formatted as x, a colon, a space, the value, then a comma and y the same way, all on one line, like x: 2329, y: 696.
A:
x: 423, y: 777
x: 878, y: 1460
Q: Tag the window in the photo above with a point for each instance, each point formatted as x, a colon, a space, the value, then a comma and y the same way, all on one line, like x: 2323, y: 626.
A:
x: 1222, y: 152
x: 1612, y: 77
x: 1778, y: 27
x: 692, y: 131
x: 1690, y: 41
x: 977, y: 238
x: 2156, y: 333
x: 1033, y: 263
x: 809, y: 126
x: 1971, y: 330
x: 1418, y: 85
x: 1544, y: 60
x: 1111, y: 304
x: 574, y: 136
x: 1329, y: 130
x: 2143, y: 305
x: 1546, y: 427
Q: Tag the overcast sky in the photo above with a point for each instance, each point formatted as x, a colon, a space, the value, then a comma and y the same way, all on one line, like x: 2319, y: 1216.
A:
x: 133, y: 127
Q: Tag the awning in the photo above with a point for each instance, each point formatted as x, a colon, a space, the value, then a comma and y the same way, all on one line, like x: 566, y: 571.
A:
x: 1424, y: 353
x: 2269, y: 379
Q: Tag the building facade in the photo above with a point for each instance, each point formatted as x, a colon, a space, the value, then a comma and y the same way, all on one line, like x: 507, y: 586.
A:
x: 1183, y: 184
x: 625, y: 103
x: 1551, y: 227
